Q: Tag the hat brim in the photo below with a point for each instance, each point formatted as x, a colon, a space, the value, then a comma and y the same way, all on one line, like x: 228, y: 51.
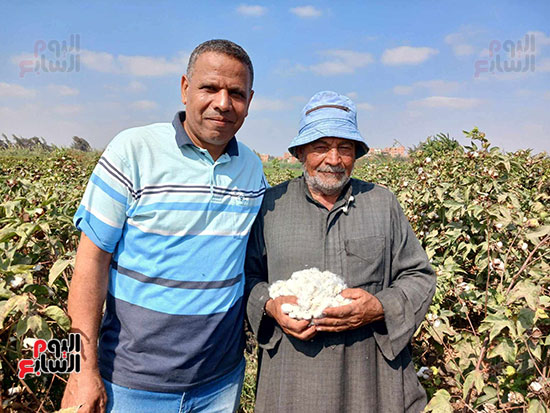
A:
x: 321, y: 130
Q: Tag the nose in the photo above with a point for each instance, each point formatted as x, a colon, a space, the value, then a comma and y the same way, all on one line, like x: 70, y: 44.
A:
x: 222, y: 101
x: 333, y: 157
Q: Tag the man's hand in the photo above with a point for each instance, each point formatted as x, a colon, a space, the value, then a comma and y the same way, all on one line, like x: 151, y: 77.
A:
x: 85, y: 389
x: 295, y: 328
x: 364, y: 309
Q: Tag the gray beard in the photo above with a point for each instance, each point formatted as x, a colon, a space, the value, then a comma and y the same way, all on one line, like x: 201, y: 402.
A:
x: 317, y: 184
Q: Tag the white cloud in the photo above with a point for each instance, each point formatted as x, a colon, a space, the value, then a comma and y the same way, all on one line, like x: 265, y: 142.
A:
x: 144, y: 105
x: 16, y: 91
x: 341, y: 62
x: 63, y: 90
x: 446, y: 102
x: 251, y: 10
x: 154, y: 66
x: 403, y: 90
x: 435, y: 86
x: 543, y: 65
x: 67, y: 109
x: 484, y: 53
x: 438, y: 86
x: 306, y: 12
x: 99, y: 61
x: 524, y: 93
x: 463, y: 49
x: 134, y: 65
x: 136, y: 86
x: 407, y: 55
x: 266, y: 104
x: 352, y: 95
x: 458, y: 42
x: 541, y: 39
x: 364, y: 106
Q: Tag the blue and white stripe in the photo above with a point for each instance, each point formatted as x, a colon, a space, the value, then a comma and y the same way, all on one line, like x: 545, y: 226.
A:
x: 177, y: 223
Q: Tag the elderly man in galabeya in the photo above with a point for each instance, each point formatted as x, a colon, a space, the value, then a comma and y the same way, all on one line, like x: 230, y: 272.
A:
x: 357, y: 357
x: 164, y: 221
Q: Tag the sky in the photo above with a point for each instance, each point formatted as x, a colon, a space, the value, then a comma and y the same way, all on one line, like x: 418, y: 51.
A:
x: 414, y: 69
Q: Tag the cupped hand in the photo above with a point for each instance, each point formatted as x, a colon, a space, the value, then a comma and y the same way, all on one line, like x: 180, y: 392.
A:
x: 364, y: 309
x: 301, y: 329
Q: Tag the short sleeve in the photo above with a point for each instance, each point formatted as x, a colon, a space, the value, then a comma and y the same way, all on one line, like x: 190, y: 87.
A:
x: 108, y: 196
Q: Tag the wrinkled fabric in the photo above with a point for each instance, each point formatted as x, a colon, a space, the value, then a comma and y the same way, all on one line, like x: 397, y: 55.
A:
x: 367, y: 240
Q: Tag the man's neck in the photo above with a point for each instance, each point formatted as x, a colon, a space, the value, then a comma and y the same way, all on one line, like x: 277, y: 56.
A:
x: 215, y: 151
x: 327, y: 201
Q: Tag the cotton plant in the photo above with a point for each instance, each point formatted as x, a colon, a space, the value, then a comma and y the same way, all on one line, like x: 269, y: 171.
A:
x: 315, y: 290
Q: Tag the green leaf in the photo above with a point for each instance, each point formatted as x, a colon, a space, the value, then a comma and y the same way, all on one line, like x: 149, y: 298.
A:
x: 474, y: 378
x: 20, y: 268
x: 22, y: 327
x: 7, y: 233
x: 538, y: 233
x: 57, y: 268
x: 58, y: 315
x: 535, y: 406
x: 526, y: 320
x: 490, y: 395
x: 37, y: 290
x: 506, y: 349
x: 440, y: 403
x: 5, y: 293
x: 495, y: 323
x: 40, y: 327
x: 17, y: 302
x: 527, y: 290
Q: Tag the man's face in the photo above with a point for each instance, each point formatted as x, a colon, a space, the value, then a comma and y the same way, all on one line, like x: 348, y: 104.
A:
x: 217, y: 97
x: 327, y: 163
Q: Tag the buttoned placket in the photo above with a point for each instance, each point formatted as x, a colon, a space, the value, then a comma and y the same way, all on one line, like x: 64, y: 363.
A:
x: 331, y: 218
x: 212, y: 171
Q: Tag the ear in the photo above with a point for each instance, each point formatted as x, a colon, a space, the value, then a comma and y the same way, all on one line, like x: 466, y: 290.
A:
x: 249, y: 101
x: 184, y: 88
x: 300, y: 153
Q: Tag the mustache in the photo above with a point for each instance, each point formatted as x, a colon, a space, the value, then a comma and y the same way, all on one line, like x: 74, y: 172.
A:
x: 329, y: 168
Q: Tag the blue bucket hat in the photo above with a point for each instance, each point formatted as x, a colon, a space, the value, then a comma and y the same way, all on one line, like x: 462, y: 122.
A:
x: 328, y: 114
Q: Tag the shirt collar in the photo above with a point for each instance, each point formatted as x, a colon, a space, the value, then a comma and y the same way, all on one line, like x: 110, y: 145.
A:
x: 182, y: 138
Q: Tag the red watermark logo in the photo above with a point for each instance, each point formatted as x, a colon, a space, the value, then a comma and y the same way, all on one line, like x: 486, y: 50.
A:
x: 53, y: 56
x: 64, y: 357
x: 516, y: 57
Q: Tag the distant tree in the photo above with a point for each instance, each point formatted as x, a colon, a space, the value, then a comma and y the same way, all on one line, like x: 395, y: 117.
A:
x: 4, y: 142
x: 437, y: 145
x: 80, y: 144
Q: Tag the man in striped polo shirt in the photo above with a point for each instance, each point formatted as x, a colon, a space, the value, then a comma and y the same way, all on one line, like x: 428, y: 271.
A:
x: 165, y: 220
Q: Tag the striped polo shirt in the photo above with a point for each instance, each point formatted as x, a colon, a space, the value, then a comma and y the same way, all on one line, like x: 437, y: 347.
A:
x: 177, y: 223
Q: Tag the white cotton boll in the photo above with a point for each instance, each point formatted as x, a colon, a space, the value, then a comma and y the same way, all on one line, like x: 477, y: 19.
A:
x: 14, y: 390
x: 422, y: 372
x: 29, y: 342
x: 287, y: 308
x: 535, y: 386
x: 16, y: 281
x: 315, y: 290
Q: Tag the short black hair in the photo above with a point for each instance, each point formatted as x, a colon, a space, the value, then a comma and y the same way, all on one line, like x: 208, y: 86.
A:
x: 223, y: 46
